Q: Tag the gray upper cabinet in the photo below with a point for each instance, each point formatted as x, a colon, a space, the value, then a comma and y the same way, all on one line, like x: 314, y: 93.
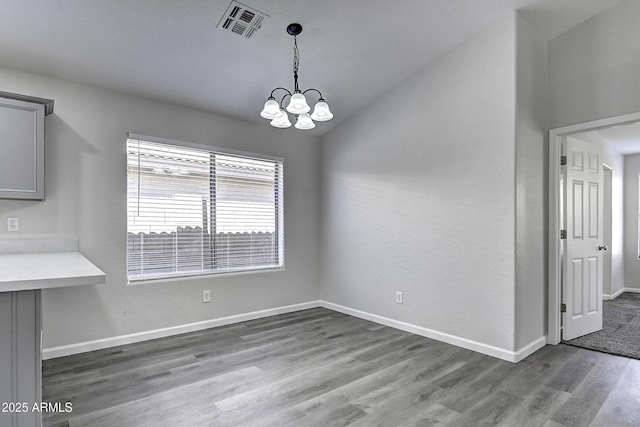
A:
x: 22, y: 146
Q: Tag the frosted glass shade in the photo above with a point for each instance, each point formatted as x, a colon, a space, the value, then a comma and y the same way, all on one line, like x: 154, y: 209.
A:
x: 304, y: 122
x: 271, y: 109
x: 321, y: 112
x: 282, y: 121
x: 298, y: 104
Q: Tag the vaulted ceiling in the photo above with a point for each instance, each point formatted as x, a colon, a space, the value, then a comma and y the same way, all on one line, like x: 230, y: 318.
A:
x: 354, y: 51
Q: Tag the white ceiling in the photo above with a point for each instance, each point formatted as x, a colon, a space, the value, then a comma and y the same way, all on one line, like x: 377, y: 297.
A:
x: 624, y: 139
x: 353, y: 51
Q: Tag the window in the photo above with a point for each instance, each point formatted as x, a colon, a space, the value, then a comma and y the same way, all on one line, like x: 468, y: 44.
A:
x: 194, y: 210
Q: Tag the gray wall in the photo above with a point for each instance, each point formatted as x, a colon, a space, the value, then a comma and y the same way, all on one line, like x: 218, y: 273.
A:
x: 531, y: 185
x: 594, y: 67
x: 418, y: 195
x: 631, y: 261
x: 86, y: 199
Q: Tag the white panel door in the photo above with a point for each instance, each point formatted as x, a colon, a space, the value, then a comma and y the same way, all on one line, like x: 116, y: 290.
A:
x: 582, y: 275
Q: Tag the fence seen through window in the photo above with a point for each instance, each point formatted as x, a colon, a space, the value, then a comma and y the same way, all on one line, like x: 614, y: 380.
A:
x: 199, y: 210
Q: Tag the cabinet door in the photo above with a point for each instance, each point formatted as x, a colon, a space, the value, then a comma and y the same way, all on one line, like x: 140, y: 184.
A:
x: 21, y: 150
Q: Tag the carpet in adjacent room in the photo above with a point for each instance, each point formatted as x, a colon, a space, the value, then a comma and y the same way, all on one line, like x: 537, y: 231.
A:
x: 620, y: 332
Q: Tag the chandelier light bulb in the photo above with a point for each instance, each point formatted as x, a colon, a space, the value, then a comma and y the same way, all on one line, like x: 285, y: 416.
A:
x: 298, y: 104
x: 281, y: 121
x: 271, y: 109
x: 304, y: 122
x: 321, y: 112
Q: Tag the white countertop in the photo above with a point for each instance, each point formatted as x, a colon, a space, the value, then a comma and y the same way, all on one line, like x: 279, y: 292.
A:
x: 42, y: 270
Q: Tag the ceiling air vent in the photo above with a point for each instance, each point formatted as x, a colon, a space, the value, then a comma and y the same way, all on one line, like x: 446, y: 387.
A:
x: 242, y: 20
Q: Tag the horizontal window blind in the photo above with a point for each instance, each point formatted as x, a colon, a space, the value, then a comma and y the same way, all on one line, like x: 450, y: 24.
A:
x: 200, y: 210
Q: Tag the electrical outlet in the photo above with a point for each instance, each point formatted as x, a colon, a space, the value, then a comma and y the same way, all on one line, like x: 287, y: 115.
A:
x: 206, y: 296
x: 399, y: 297
x: 13, y: 224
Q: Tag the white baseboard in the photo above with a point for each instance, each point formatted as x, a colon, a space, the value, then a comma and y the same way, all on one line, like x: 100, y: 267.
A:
x: 633, y: 290
x: 500, y: 353
x: 508, y: 355
x: 616, y: 294
x: 66, y: 350
x: 529, y: 349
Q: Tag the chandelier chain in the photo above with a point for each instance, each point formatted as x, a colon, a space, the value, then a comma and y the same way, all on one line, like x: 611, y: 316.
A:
x: 296, y: 63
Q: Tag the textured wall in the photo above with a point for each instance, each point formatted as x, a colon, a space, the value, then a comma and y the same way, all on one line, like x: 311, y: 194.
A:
x: 594, y: 67
x: 531, y: 185
x: 418, y: 195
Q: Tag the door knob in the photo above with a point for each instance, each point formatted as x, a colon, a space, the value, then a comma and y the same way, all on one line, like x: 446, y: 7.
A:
x: 602, y: 247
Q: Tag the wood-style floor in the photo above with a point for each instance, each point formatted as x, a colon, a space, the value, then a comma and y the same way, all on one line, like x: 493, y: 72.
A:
x: 322, y: 368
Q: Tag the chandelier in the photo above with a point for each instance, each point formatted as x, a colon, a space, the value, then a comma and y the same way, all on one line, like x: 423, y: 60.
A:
x: 275, y: 111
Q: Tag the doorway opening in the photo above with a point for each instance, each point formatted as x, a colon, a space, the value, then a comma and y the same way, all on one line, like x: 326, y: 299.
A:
x: 558, y: 212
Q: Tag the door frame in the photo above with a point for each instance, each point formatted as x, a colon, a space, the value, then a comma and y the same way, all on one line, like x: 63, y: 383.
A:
x: 607, y: 230
x: 555, y: 222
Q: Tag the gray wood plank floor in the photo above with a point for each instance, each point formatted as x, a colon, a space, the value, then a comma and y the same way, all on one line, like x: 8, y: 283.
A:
x: 322, y: 368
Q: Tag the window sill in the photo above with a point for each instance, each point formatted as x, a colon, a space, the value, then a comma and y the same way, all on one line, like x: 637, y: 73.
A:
x: 165, y: 279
